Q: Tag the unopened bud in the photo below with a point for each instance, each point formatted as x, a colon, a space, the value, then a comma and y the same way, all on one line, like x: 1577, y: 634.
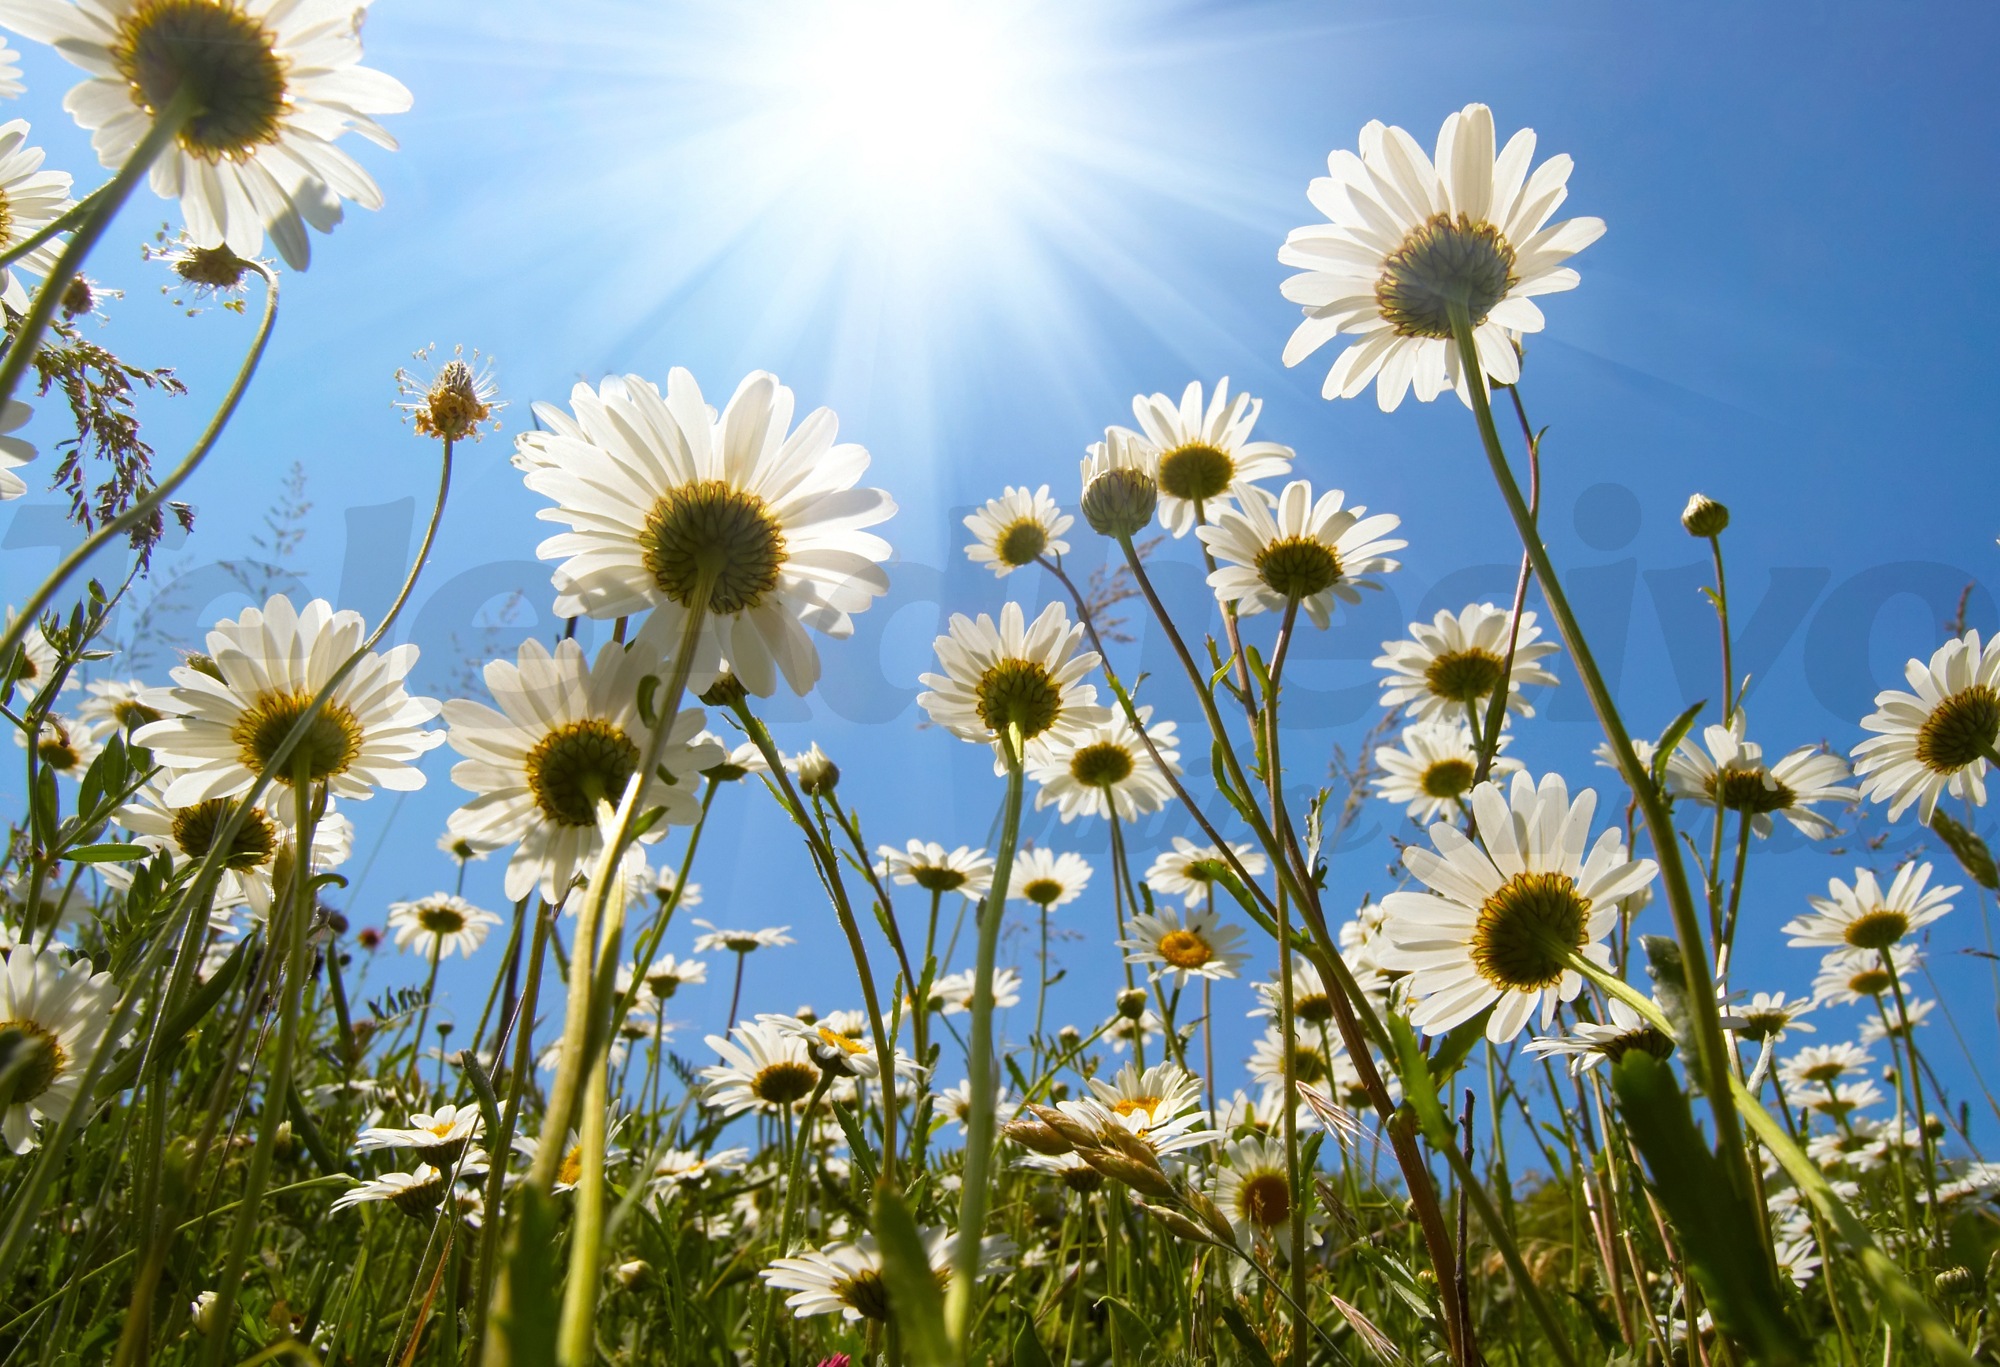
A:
x: 1069, y: 1037
x: 1083, y: 1181
x: 1132, y: 1003
x: 1704, y: 516
x: 1934, y: 1127
x: 1955, y: 1281
x: 633, y: 1273
x: 202, y: 1311
x: 818, y: 775
x: 1120, y: 502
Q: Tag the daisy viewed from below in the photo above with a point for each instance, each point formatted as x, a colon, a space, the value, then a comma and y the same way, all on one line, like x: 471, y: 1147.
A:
x: 438, y: 1137
x: 259, y: 857
x: 1499, y: 923
x: 64, y: 1010
x: 659, y: 490
x: 765, y: 1067
x: 219, y: 730
x: 1107, y: 769
x: 1769, y: 1016
x: 1017, y: 529
x: 1046, y: 878
x: 1450, y: 665
x: 928, y: 865
x: 1867, y: 917
x: 666, y: 975
x: 951, y: 995
x: 1589, y: 1043
x: 1847, y: 976
x: 62, y: 746
x: 1305, y: 551
x: 14, y: 451
x: 1434, y: 768
x: 1190, y: 871
x: 1253, y: 1186
x: 30, y: 200
x: 1119, y: 477
x: 716, y: 940
x: 846, y: 1278
x: 1940, y: 737
x: 272, y: 87
x: 567, y: 736
x: 114, y: 706
x: 1408, y: 236
x: 439, y: 924
x: 684, y: 1167
x: 1205, y: 451
x: 417, y: 1194
x: 1730, y: 774
x: 11, y: 87
x: 1013, y: 674
x: 1186, y: 944
x: 1160, y: 1105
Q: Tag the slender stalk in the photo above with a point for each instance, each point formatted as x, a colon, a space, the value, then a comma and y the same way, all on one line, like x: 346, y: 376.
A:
x: 62, y: 223
x: 975, y: 1194
x: 1729, y: 699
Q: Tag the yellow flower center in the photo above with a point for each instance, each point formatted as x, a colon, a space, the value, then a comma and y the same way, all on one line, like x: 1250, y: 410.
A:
x: 937, y: 877
x: 1266, y: 1199
x: 195, y: 828
x: 1020, y: 542
x: 440, y: 918
x: 225, y: 58
x: 1196, y: 472
x: 1185, y: 949
x: 866, y: 1292
x: 576, y: 766
x: 453, y: 407
x: 1877, y: 929
x: 1448, y: 778
x: 1959, y: 729
x: 1042, y: 891
x: 782, y: 1084
x: 331, y: 743
x: 841, y: 1042
x: 1526, y: 929
x: 1441, y: 261
x: 1101, y: 765
x: 1869, y: 982
x: 1749, y: 790
x: 1297, y: 567
x: 49, y: 1061
x: 570, y: 1171
x: 1463, y: 676
x: 708, y: 527
x: 419, y: 1199
x: 1020, y: 693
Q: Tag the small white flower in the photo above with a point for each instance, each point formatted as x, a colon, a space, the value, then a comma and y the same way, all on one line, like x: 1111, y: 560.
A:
x: 1589, y: 1043
x: 64, y: 1009
x: 1013, y: 674
x: 951, y: 995
x: 1305, y: 551
x: 1448, y: 668
x: 417, y: 1194
x: 1107, y: 768
x: 846, y: 1278
x: 766, y: 1068
x: 1434, y: 768
x: 718, y: 941
x: 1017, y: 529
x: 1859, y: 975
x: 1865, y: 917
x: 928, y: 865
x: 1190, y: 871
x: 1823, y: 1063
x: 439, y: 1137
x: 1046, y: 878
x: 1935, y: 739
x: 1731, y: 776
x: 439, y: 924
x: 1191, y: 943
x: 31, y: 199
x: 1205, y: 453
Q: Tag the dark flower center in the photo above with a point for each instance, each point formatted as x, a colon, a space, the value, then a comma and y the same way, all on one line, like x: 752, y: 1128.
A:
x: 781, y: 1084
x: 1196, y: 472
x: 1750, y: 790
x: 1877, y: 929
x: 1021, y: 693
x: 1021, y: 542
x: 1101, y: 765
x: 1448, y: 777
x: 576, y: 766
x: 331, y: 743
x: 707, y: 526
x: 1960, y: 729
x: 1463, y: 676
x: 1267, y: 1200
x: 1297, y: 567
x: 44, y: 1067
x: 224, y: 58
x: 1444, y: 260
x: 195, y: 828
x: 1526, y: 930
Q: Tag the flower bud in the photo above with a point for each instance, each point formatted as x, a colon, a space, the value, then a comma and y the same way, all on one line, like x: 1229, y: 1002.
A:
x: 1704, y: 516
x: 1132, y: 1003
x: 1083, y: 1181
x: 1955, y: 1281
x: 78, y: 297
x: 818, y: 775
x: 1069, y: 1037
x: 1120, y: 503
x: 633, y: 1273
x: 202, y: 1311
x: 726, y: 691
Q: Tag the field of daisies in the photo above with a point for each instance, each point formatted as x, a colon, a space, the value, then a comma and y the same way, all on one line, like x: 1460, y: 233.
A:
x: 1520, y: 1109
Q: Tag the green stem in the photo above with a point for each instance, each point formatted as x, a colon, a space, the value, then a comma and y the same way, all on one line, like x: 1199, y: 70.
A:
x: 68, y: 219
x: 1729, y: 701
x: 975, y: 1193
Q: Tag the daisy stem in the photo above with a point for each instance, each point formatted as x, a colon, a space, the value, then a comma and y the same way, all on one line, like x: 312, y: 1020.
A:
x: 1908, y: 1040
x: 1729, y: 699
x: 423, y: 1018
x: 297, y: 960
x: 1488, y: 734
x: 27, y: 339
x: 1711, y: 1048
x: 1735, y: 886
x: 62, y: 223
x: 736, y: 992
x: 975, y: 1194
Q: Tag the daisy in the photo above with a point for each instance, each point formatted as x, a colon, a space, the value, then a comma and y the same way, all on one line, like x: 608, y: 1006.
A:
x: 1798, y: 1259
x: 455, y: 401
x: 30, y: 200
x: 741, y: 762
x: 64, y: 1009
x: 1308, y: 1059
x: 38, y: 661
x: 1159, y: 1107
x: 1501, y: 921
x: 717, y: 941
x: 463, y: 850
x: 833, y: 1050
x: 1048, y: 879
x: 439, y: 924
x: 1105, y: 769
x: 219, y: 730
x: 928, y: 865
x: 275, y: 86
x: 1191, y: 943
x: 1205, y: 452
x: 1860, y: 975
x: 1940, y: 737
x: 570, y: 1171
x: 1588, y: 1043
x: 1434, y: 768
x: 1450, y: 666
x: 1823, y: 1063
x: 667, y: 975
x: 1864, y: 917
x: 686, y: 1168
x: 1124, y: 1031
x: 1312, y: 1001
x: 1730, y: 775
x: 657, y: 489
x: 1862, y: 1143
x: 1017, y: 529
x: 417, y: 1194
x: 1841, y: 1099
x: 1874, y: 1029
x: 567, y: 736
x: 113, y: 707
x: 1190, y: 871
x: 765, y: 1067
x: 1769, y: 1016
x: 951, y: 995
x: 14, y: 451
x: 62, y: 746
x: 438, y: 1137
x: 1013, y: 675
x: 846, y: 1278
x: 1119, y: 477
x: 955, y: 1104
x: 1300, y: 551
x: 259, y: 859
x: 1407, y: 235
x: 1254, y: 1188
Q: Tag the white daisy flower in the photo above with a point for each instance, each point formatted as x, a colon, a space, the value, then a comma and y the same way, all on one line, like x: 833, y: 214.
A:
x: 1407, y: 234
x: 1434, y: 768
x: 1190, y: 871
x: 951, y: 995
x: 1123, y: 1031
x: 1301, y: 550
x: 1106, y: 768
x: 1310, y: 1050
x: 741, y: 762
x: 1500, y: 920
x: 1589, y: 1043
x: 260, y: 855
x: 1841, y: 1099
x: 717, y: 940
x: 1798, y: 1259
x: 1823, y: 1063
x: 568, y: 736
x: 1939, y: 738
x: 1013, y: 674
x: 30, y: 200
x: 1017, y: 529
x: 1768, y: 1015
x: 955, y: 1104
x: 1048, y: 879
x: 1253, y: 1186
x: 1730, y: 775
x: 276, y: 84
x: 1312, y: 1000
x: 113, y: 707
x: 1860, y: 975
x: 846, y: 1278
x: 1451, y: 665
x: 1862, y: 1143
x: 1119, y: 477
x: 64, y: 1009
x: 463, y: 850
x: 1160, y: 1107
x: 1205, y: 452
x: 655, y: 487
x: 570, y: 1171
x: 62, y: 746
x: 219, y: 729
x: 666, y: 975
x: 439, y: 924
x: 765, y: 1068
x: 928, y: 865
x: 438, y: 1137
x: 685, y: 1167
x: 1185, y: 943
x: 1874, y: 1029
x: 837, y: 1045
x: 1864, y: 917
x: 38, y: 659
x: 417, y: 1194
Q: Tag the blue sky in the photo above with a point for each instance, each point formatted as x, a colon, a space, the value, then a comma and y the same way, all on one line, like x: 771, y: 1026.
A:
x: 1790, y: 310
